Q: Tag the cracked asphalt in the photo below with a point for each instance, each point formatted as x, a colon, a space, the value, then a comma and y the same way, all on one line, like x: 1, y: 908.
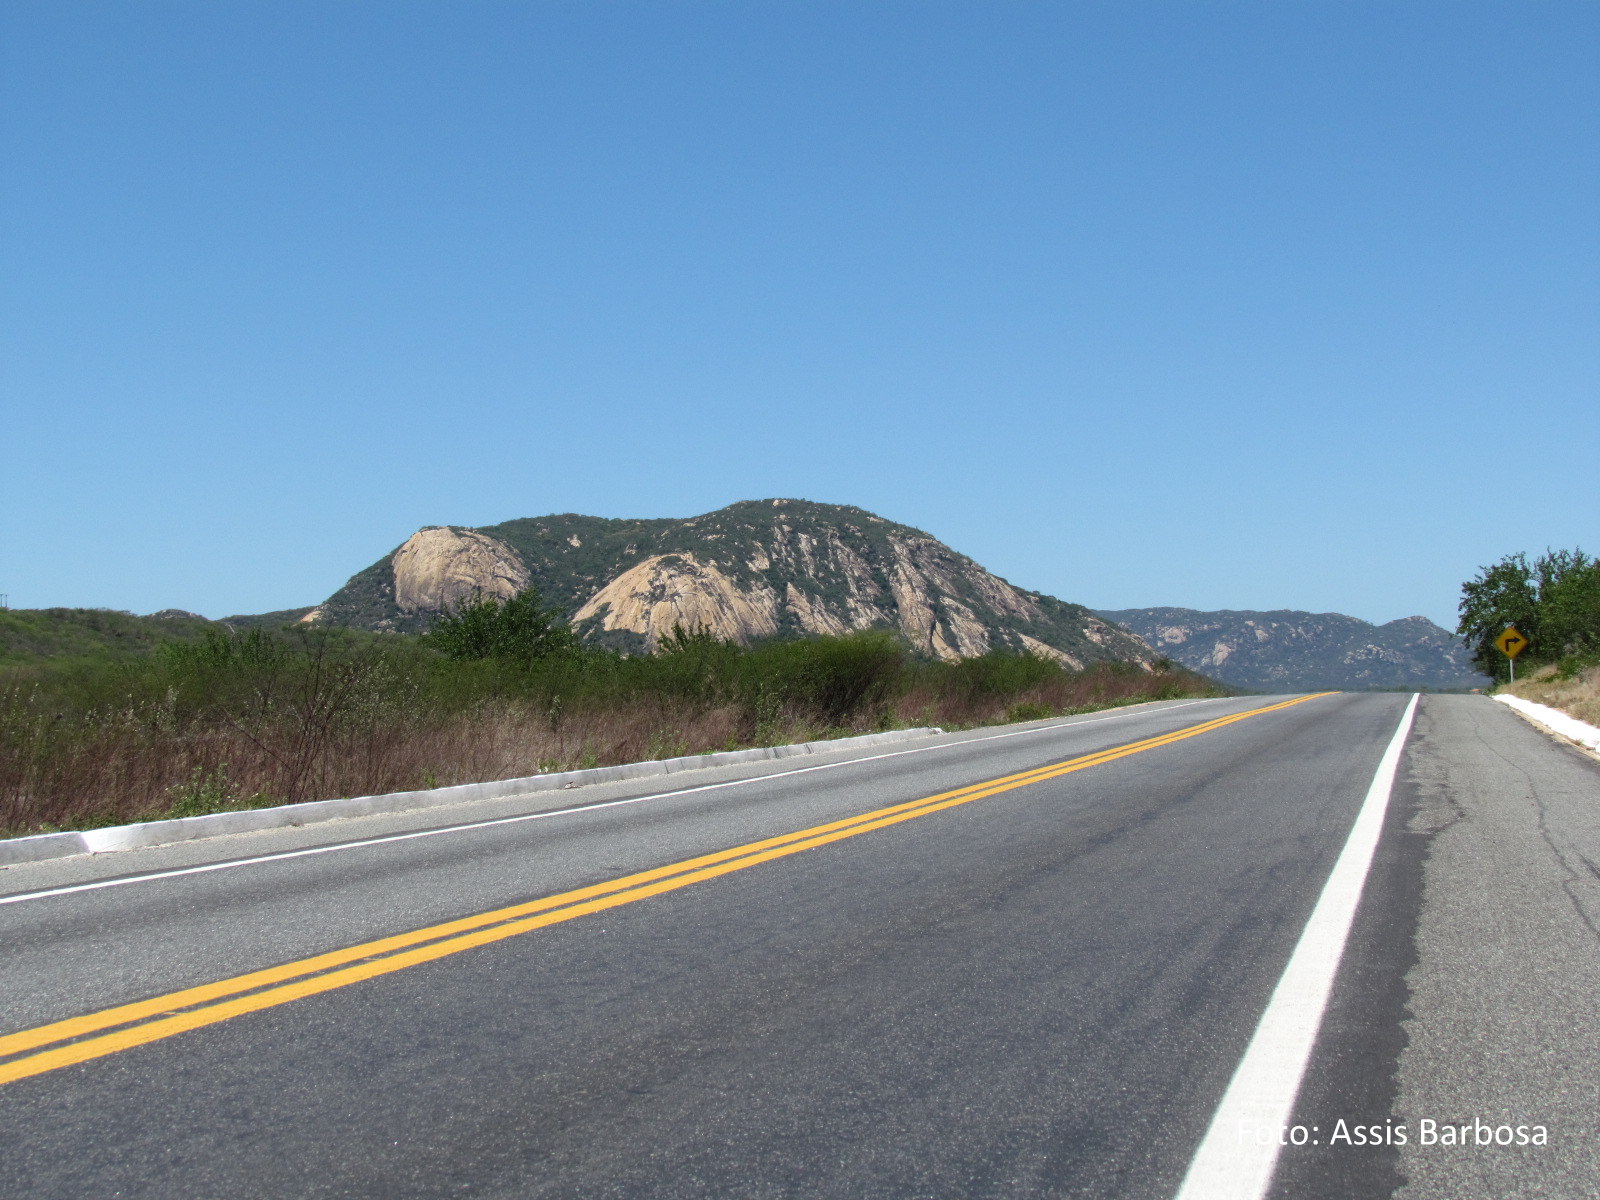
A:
x: 1505, y: 995
x: 1470, y: 989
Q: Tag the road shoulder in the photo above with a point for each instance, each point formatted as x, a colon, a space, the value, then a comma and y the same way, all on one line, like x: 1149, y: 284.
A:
x: 1503, y: 1026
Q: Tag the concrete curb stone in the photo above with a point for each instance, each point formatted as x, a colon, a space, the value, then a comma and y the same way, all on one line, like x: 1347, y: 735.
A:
x: 40, y: 847
x: 1567, y: 726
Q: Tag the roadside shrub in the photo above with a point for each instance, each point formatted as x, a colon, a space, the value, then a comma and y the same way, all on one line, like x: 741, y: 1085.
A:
x: 520, y: 629
x: 277, y: 716
x: 832, y: 679
x: 1029, y: 711
x: 1002, y: 673
x: 692, y: 663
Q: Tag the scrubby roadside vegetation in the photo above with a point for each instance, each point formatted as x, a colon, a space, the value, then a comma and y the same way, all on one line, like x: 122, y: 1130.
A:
x: 1553, y: 600
x: 250, y: 718
x: 1575, y: 691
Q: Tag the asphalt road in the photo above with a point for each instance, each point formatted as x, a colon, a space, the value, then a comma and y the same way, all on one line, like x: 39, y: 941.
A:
x: 1040, y: 987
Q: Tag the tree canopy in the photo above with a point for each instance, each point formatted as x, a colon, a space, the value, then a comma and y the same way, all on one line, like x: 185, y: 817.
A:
x: 1553, y: 600
x: 520, y: 628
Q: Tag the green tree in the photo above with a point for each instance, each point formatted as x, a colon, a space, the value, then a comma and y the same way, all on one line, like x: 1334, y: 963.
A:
x: 1554, y: 601
x: 519, y: 629
x: 1569, y: 604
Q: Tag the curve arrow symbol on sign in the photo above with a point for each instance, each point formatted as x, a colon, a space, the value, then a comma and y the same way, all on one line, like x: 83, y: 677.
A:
x: 1511, y: 642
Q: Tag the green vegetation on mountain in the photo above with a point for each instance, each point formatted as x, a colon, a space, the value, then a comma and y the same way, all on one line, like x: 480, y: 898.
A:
x: 266, y: 620
x: 1286, y: 650
x: 753, y: 570
x: 27, y: 635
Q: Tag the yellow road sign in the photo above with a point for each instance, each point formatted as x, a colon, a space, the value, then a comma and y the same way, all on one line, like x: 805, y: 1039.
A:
x: 1511, y: 643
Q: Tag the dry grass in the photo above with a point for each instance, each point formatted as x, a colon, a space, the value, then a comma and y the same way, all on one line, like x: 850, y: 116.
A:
x: 136, y: 764
x: 132, y: 774
x: 1578, y: 696
x: 929, y: 704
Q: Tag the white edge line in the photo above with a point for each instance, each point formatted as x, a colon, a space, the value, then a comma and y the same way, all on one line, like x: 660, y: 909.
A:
x: 96, y: 885
x: 1237, y: 1156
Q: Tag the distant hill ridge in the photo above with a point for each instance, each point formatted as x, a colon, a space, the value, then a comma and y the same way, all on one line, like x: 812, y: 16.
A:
x: 1287, y: 650
x: 780, y: 567
x: 756, y: 569
x: 29, y: 634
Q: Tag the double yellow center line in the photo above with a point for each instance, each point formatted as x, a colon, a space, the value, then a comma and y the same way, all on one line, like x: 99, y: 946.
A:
x: 79, y: 1039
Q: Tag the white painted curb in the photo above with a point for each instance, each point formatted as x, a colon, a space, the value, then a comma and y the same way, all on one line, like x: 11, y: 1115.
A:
x: 1581, y: 732
x: 45, y: 846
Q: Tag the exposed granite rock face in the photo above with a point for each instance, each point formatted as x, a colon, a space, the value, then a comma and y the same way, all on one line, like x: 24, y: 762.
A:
x: 1287, y: 650
x: 675, y: 589
x: 439, y: 567
x: 1040, y: 649
x: 759, y: 569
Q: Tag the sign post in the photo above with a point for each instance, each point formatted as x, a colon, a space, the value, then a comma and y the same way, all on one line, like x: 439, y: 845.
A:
x: 1511, y: 643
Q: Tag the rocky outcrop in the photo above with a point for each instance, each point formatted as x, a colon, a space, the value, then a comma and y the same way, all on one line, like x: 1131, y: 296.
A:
x: 440, y: 567
x: 1043, y: 650
x: 1287, y: 650
x: 924, y: 579
x: 670, y: 590
x: 758, y: 569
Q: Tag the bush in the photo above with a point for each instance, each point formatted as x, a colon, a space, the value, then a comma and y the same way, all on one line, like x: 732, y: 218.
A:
x: 276, y: 716
x: 1029, y: 711
x: 834, y: 679
x: 1002, y: 673
x: 520, y: 629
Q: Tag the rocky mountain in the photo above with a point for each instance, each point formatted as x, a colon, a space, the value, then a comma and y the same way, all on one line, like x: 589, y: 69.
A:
x: 757, y: 569
x: 1295, y: 651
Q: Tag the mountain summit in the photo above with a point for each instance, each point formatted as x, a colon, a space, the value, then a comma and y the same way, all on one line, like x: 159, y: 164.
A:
x: 1287, y: 650
x: 756, y: 569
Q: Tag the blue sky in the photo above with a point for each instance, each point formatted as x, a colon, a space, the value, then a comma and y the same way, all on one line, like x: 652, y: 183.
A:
x: 1208, y: 304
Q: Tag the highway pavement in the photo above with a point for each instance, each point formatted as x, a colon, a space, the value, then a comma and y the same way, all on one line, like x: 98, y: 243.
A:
x: 1015, y: 962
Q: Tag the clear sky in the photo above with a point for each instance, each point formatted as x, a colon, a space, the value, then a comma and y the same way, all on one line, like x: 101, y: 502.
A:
x: 1224, y: 305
